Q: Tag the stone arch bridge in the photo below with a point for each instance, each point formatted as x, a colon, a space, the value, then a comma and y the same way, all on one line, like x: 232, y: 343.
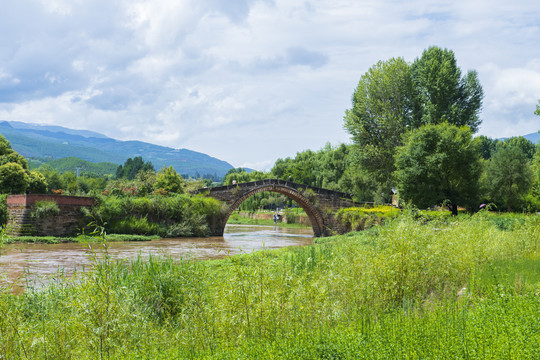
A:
x: 319, y: 204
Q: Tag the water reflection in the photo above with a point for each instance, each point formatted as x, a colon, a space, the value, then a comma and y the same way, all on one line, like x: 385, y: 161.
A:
x: 38, y: 260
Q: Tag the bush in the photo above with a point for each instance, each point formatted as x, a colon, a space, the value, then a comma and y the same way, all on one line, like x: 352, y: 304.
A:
x: 44, y: 208
x: 361, y: 218
x: 171, y: 216
x: 139, y: 226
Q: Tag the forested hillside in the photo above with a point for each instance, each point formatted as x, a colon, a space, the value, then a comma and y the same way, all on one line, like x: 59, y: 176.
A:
x: 55, y: 142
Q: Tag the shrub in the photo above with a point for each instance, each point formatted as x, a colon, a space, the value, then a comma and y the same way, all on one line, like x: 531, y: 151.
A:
x: 171, y: 216
x: 44, y: 208
x: 361, y: 218
x: 139, y: 226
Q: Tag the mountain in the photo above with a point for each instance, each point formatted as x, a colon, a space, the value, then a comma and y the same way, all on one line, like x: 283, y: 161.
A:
x: 56, y: 142
x: 72, y: 164
x: 532, y: 137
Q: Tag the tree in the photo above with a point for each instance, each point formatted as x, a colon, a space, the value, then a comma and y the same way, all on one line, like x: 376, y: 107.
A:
x: 442, y: 94
x: 52, y: 178
x: 13, y: 178
x: 242, y: 176
x: 394, y: 97
x: 486, y: 145
x: 13, y: 169
x: 526, y: 146
x: 145, y: 181
x: 439, y: 164
x: 508, y: 175
x: 381, y: 112
x: 535, y: 167
x: 169, y: 180
x: 8, y: 155
x: 36, y: 182
x: 132, y: 166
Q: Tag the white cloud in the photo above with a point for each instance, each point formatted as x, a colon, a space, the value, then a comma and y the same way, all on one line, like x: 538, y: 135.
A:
x: 248, y: 81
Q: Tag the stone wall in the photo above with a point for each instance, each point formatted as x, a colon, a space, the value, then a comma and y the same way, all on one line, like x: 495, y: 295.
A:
x: 67, y: 222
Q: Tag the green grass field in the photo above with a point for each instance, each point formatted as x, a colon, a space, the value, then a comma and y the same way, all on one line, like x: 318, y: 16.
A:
x: 460, y: 288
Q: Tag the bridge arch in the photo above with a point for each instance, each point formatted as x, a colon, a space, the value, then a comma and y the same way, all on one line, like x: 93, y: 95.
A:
x: 320, y: 206
x: 313, y: 213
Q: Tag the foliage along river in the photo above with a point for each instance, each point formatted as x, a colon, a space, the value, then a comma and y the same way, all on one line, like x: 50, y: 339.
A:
x: 34, y: 262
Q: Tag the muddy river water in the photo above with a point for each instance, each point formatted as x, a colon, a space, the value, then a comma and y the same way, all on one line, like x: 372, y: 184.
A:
x: 38, y: 261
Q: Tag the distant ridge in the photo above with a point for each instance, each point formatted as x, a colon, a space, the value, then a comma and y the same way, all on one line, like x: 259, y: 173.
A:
x: 56, y: 142
x: 532, y: 137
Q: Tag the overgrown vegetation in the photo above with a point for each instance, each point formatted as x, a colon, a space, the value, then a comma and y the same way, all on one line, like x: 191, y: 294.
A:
x: 44, y: 208
x: 355, y: 219
x: 458, y: 289
x: 166, y: 216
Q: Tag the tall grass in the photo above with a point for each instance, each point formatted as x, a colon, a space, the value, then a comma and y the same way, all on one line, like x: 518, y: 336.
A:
x: 455, y: 289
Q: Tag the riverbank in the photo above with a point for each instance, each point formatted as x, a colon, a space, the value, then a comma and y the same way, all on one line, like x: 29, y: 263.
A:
x: 76, y: 239
x: 466, y: 287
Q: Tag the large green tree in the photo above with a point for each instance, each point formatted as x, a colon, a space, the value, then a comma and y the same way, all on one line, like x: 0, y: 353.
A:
x: 442, y: 94
x: 508, y: 175
x: 439, y: 164
x: 13, y: 178
x: 382, y: 108
x: 14, y: 175
x: 8, y: 155
x: 394, y: 97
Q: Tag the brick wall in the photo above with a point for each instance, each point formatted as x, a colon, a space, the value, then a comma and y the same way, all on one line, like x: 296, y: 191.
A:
x: 67, y: 222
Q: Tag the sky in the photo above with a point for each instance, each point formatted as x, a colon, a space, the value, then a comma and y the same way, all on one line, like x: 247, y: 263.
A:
x: 249, y: 81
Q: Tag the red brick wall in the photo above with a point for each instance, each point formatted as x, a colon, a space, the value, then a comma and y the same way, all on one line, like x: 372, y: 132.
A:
x: 31, y: 199
x: 67, y: 222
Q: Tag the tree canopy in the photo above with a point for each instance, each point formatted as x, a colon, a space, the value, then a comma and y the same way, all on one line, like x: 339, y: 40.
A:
x: 508, y: 175
x: 394, y: 97
x: 169, y: 180
x: 442, y: 94
x: 439, y: 164
x: 382, y: 108
x: 14, y: 175
x: 132, y: 166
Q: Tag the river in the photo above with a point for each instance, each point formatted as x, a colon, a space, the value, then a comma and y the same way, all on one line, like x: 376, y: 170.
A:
x: 36, y: 262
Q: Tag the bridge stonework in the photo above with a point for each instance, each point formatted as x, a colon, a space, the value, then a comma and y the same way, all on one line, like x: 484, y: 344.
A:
x: 319, y: 204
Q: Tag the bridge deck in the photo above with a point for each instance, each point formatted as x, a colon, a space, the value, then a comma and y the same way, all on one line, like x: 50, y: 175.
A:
x: 267, y: 182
